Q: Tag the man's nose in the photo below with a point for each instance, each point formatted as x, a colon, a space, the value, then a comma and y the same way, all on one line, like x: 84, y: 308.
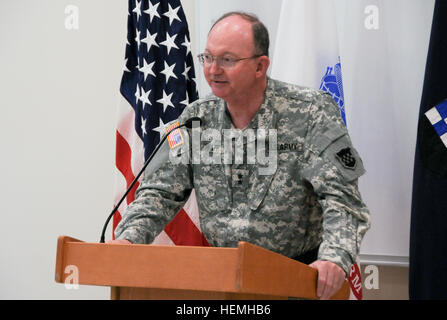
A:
x: 215, y: 67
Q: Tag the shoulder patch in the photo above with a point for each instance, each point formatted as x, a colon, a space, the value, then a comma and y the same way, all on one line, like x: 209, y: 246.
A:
x: 346, y: 158
x: 175, y: 138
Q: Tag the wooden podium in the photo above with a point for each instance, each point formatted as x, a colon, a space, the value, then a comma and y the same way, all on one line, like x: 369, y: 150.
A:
x: 186, y: 272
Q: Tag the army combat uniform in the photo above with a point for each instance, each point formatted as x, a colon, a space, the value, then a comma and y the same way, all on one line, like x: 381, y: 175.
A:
x: 308, y: 199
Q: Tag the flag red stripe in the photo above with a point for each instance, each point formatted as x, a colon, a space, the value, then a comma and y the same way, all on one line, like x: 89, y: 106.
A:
x: 116, y: 221
x: 183, y: 231
x: 123, y: 164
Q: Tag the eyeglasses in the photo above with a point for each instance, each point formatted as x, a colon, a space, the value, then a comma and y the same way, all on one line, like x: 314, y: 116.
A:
x: 223, y: 62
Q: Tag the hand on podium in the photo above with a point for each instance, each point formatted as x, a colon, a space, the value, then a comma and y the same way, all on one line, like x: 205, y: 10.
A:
x: 330, y: 278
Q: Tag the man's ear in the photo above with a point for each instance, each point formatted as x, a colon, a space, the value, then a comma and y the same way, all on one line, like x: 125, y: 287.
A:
x: 263, y: 65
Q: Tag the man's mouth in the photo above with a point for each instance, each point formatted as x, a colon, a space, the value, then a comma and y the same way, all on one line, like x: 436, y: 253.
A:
x: 219, y: 81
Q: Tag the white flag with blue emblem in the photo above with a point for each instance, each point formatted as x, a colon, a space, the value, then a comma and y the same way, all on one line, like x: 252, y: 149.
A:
x: 307, y: 50
x: 307, y: 54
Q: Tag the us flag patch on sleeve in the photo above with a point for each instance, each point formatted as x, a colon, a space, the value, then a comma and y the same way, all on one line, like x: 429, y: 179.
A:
x: 175, y: 138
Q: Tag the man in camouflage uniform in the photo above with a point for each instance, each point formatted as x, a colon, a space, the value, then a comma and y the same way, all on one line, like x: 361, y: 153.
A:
x: 303, y: 199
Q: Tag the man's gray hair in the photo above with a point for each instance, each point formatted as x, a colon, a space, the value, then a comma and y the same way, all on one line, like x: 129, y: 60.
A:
x: 260, y: 32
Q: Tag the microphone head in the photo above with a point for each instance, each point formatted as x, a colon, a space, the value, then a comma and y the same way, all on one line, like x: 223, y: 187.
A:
x: 194, y: 120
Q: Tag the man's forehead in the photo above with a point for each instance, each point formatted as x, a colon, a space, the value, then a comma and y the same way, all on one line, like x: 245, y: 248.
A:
x: 223, y: 53
x: 233, y: 22
x: 229, y: 34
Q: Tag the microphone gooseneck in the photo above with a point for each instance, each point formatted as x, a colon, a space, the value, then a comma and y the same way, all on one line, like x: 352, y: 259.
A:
x: 188, y: 124
x: 191, y: 121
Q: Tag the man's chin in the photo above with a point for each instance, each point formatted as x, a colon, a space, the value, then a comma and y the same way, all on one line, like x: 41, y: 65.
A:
x: 218, y: 92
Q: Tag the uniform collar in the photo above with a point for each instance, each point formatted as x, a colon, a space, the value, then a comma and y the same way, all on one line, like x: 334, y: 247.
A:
x: 265, y: 118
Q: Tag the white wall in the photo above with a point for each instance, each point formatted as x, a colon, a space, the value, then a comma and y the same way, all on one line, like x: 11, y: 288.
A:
x: 59, y: 93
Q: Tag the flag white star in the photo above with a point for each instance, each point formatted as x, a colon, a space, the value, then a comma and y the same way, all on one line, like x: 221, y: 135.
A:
x: 187, y: 44
x: 143, y: 126
x: 185, y: 72
x: 147, y: 69
x: 144, y: 97
x: 150, y: 40
x: 137, y: 38
x: 161, y: 129
x: 137, y: 94
x: 125, y: 66
x: 137, y: 9
x: 152, y: 11
x: 169, y: 71
x: 186, y: 101
x: 172, y: 14
x: 169, y: 43
x: 166, y: 101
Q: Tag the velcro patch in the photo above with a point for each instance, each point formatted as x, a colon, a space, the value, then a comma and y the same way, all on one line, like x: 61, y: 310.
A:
x: 175, y: 138
x: 346, y: 158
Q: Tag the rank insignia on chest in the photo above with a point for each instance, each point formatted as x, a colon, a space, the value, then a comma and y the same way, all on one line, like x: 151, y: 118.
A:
x: 175, y: 138
x: 346, y: 158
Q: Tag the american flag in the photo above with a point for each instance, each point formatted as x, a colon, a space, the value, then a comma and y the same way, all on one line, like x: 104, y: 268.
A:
x: 157, y: 84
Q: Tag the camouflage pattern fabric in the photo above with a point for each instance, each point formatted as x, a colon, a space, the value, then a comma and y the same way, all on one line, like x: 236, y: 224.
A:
x: 290, y: 188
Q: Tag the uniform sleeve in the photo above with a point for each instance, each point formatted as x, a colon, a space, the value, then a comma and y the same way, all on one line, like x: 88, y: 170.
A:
x: 166, y: 186
x: 332, y: 169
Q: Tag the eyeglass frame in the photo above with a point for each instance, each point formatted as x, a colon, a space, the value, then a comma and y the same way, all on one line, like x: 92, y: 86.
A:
x: 219, y: 58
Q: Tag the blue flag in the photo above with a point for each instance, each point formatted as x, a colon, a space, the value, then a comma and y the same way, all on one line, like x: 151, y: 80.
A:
x: 428, y: 234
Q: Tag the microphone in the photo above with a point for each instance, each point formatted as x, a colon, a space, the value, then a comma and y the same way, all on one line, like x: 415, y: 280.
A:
x: 188, y: 124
